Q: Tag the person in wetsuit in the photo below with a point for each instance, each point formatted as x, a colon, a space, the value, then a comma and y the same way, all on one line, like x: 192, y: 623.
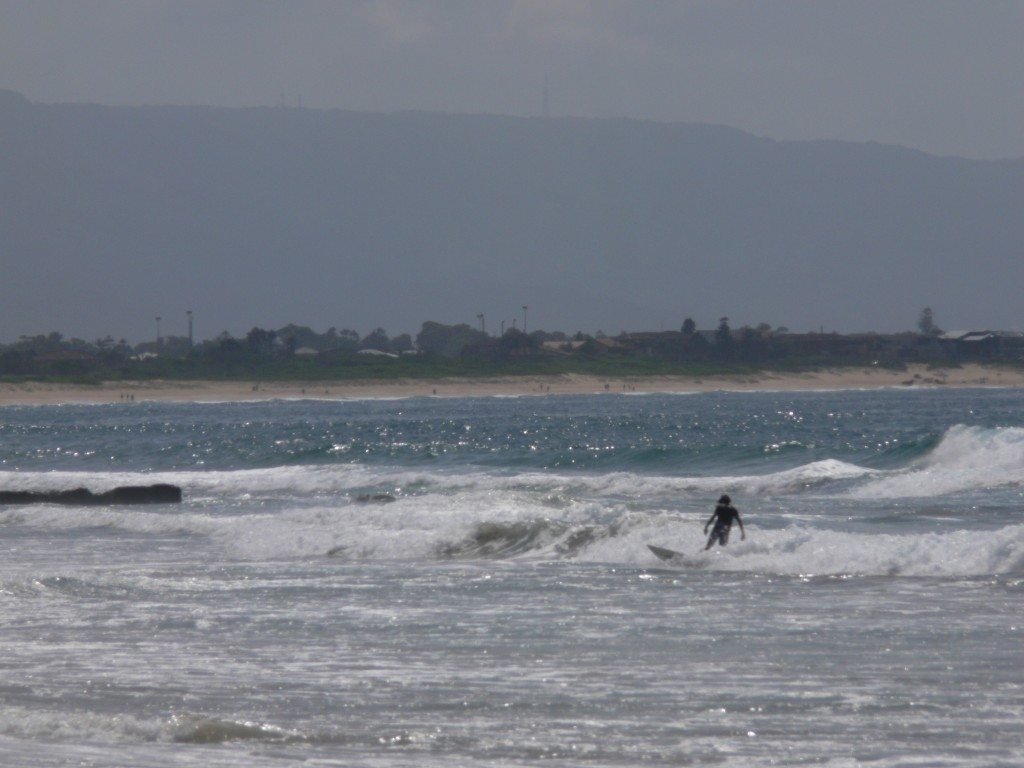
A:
x: 723, y: 517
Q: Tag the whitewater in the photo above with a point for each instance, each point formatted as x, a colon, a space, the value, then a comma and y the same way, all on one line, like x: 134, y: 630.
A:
x: 442, y: 581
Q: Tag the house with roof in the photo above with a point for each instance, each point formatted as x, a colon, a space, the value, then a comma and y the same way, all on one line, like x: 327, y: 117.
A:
x: 972, y: 343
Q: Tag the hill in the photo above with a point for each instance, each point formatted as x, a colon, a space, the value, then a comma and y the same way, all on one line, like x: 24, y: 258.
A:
x: 110, y: 216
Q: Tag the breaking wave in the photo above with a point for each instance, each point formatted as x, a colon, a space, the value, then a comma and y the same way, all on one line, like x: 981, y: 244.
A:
x: 965, y: 459
x: 471, y: 527
x: 815, y: 552
x: 351, y: 479
x: 313, y: 511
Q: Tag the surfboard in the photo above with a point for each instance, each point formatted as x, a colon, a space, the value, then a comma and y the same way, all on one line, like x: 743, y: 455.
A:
x: 676, y: 558
x: 665, y: 554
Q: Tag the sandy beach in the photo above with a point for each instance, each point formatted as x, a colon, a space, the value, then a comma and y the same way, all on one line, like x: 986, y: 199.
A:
x: 41, y: 393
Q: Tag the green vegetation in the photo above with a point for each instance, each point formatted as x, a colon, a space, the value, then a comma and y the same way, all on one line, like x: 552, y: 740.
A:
x: 298, y: 353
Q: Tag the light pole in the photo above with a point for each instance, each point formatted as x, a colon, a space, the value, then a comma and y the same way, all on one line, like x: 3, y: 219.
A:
x: 524, y: 317
x: 189, y: 313
x: 483, y: 328
x: 158, y: 318
x: 502, y: 327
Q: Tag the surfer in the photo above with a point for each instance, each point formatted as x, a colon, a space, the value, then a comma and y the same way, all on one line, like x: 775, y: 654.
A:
x: 722, y: 517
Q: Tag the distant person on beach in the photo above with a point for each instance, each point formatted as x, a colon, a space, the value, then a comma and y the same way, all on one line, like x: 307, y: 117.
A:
x: 723, y: 517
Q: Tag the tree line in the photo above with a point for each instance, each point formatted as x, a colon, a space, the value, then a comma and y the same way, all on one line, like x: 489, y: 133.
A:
x: 295, y: 350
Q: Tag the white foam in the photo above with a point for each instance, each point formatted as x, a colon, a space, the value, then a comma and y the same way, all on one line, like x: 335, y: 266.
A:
x: 957, y: 553
x: 342, y: 478
x: 813, y: 552
x: 306, y: 479
x: 416, y: 527
x: 84, y: 738
x: 591, y: 528
x: 133, y: 519
x: 627, y: 484
x: 967, y: 458
x: 45, y: 726
x: 419, y: 528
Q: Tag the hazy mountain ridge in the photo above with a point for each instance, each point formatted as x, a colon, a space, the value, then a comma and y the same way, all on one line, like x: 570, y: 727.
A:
x: 263, y: 216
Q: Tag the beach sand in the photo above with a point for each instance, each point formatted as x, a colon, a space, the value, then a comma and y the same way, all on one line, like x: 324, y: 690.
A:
x: 41, y: 393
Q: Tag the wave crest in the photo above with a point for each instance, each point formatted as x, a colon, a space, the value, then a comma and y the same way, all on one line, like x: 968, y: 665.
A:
x: 965, y: 459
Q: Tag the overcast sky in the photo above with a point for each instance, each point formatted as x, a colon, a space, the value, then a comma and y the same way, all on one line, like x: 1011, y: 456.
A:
x: 944, y: 77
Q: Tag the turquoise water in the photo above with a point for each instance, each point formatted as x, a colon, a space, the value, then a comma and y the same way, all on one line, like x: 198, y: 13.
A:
x: 504, y: 608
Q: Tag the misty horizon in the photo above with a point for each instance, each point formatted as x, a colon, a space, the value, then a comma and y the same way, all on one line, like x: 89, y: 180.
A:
x: 616, y: 166
x: 136, y: 337
x: 295, y: 102
x: 940, y: 77
x: 265, y: 216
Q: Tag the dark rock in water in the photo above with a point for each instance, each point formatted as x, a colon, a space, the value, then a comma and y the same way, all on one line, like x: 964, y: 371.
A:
x: 379, y: 498
x: 160, y: 493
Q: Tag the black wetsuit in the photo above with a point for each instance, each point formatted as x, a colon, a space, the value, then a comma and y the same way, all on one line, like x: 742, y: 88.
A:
x: 723, y: 517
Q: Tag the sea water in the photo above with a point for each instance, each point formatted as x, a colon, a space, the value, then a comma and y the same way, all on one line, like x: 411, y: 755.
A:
x: 504, y: 608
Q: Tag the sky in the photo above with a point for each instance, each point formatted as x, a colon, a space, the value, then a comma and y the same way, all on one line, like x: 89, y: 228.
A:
x: 943, y: 77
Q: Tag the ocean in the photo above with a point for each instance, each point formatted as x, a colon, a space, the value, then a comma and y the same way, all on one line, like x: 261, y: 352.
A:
x: 466, y: 581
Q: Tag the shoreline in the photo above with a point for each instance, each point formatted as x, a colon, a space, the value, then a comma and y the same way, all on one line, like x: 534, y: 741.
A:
x: 914, y: 377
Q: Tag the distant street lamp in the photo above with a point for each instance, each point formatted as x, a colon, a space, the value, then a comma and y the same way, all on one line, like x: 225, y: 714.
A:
x: 189, y: 313
x: 502, y: 328
x: 158, y: 318
x: 524, y: 317
x: 483, y: 328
